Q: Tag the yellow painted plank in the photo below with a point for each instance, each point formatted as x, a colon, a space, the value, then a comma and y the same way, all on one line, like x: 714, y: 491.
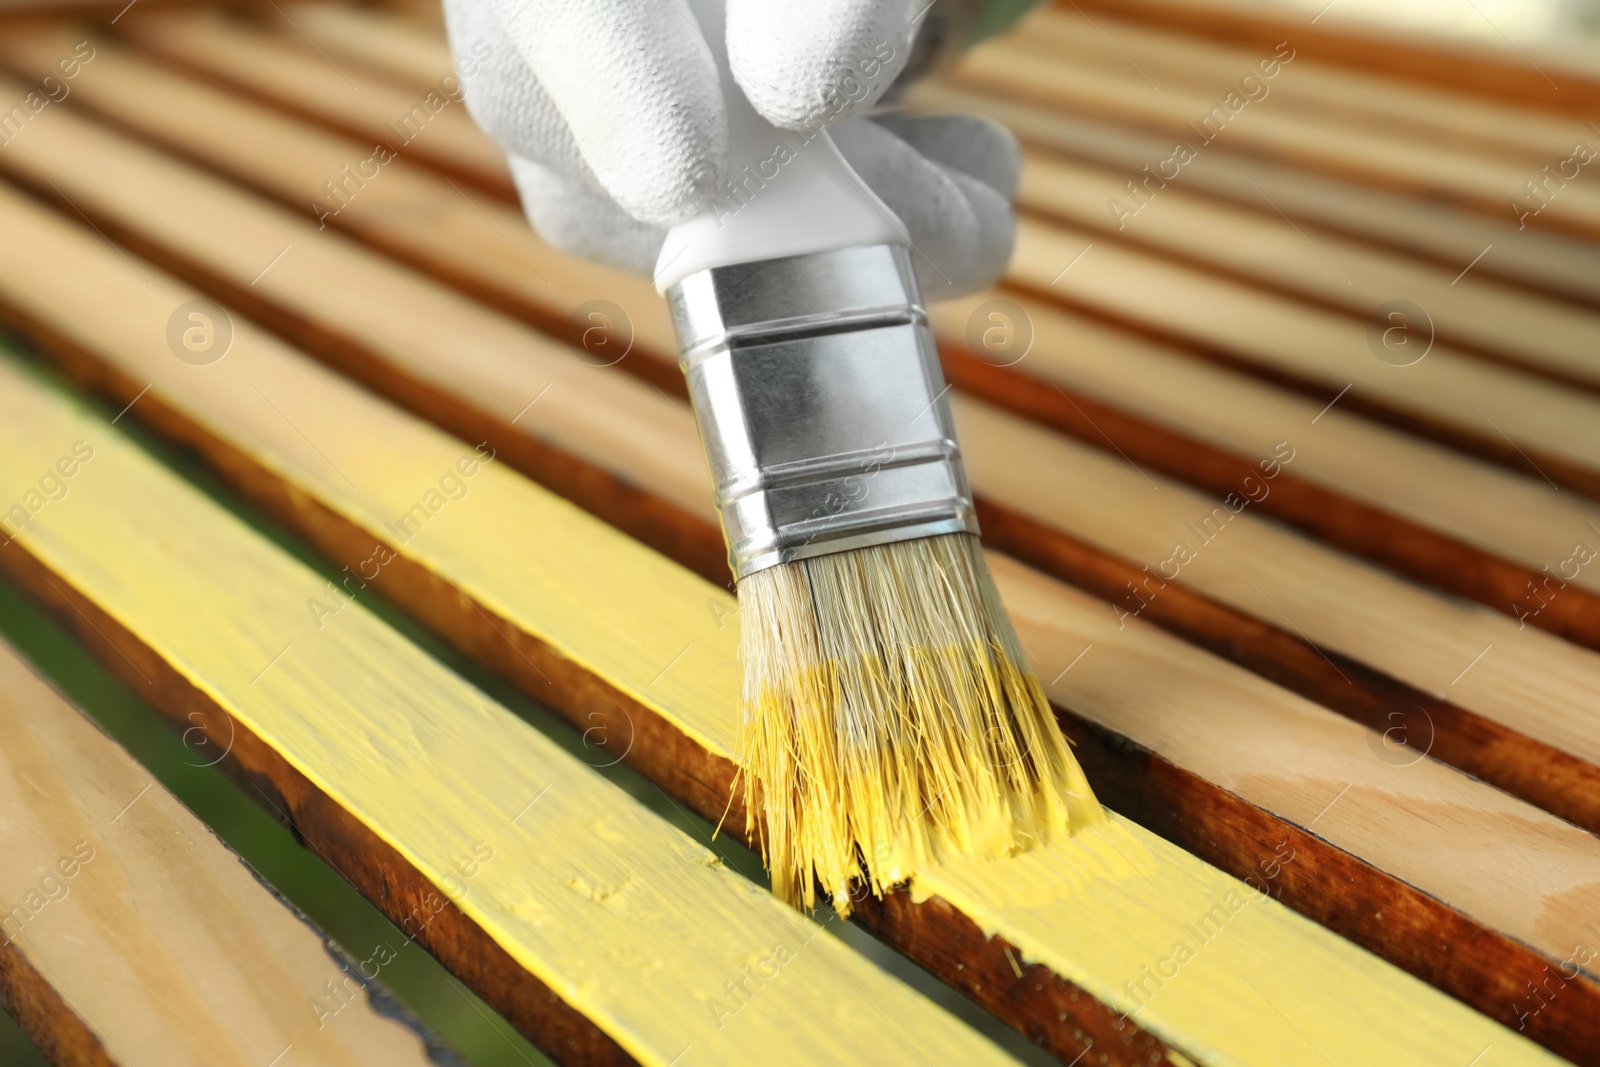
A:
x: 1095, y: 908
x: 626, y: 918
x: 155, y: 935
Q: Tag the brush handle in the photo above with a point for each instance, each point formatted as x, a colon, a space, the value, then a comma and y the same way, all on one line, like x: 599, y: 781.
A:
x: 787, y: 193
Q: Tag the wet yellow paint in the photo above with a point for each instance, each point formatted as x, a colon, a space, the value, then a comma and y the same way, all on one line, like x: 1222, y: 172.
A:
x: 634, y: 923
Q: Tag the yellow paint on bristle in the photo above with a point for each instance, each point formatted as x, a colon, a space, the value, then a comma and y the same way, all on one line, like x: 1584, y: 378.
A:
x: 889, y: 720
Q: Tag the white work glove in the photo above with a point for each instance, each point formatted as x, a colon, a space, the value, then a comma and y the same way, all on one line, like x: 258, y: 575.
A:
x: 612, y: 118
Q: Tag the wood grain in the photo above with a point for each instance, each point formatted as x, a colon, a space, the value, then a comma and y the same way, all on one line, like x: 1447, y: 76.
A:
x: 480, y: 570
x: 1478, y: 315
x: 1465, y: 67
x: 1447, y: 174
x: 1465, y: 526
x: 478, y: 244
x: 152, y: 940
x: 1320, y: 92
x: 428, y: 122
x: 1547, y: 263
x: 1495, y: 412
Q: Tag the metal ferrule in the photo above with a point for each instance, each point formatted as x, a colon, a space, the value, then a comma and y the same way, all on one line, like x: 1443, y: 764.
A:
x: 817, y: 386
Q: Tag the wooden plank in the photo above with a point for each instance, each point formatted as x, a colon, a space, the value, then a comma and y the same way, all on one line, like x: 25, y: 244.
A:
x: 1460, y: 525
x: 478, y: 576
x: 373, y: 39
x: 428, y: 123
x: 1320, y: 92
x: 133, y: 935
x: 1547, y: 430
x: 1541, y: 262
x: 1405, y: 515
x: 480, y: 245
x: 1562, y: 79
x: 600, y: 930
x: 1480, y: 316
x: 1448, y: 175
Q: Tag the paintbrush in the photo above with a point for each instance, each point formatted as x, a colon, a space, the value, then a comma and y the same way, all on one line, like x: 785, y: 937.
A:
x: 888, y: 718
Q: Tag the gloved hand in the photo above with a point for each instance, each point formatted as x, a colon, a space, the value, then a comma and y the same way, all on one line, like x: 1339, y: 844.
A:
x: 612, y: 118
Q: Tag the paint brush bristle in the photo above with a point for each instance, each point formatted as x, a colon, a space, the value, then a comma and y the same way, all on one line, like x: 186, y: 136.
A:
x: 889, y: 719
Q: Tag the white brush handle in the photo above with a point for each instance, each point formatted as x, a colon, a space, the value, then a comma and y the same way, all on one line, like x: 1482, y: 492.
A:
x: 789, y: 193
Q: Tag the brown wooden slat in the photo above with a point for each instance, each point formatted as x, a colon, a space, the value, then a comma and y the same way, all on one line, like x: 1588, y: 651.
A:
x: 1474, y: 315
x: 1153, y: 428
x: 1321, y: 92
x: 1557, y: 83
x: 1548, y: 263
x: 427, y: 122
x: 134, y: 936
x: 1537, y: 427
x: 1403, y: 902
x: 1462, y: 179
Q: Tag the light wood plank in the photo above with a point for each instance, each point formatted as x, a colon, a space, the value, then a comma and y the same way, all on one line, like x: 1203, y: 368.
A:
x: 1527, y: 680
x: 1494, y: 410
x: 1542, y: 335
x: 1546, y: 262
x: 1393, y: 162
x: 480, y: 244
x: 624, y: 918
x: 427, y: 122
x: 1560, y: 76
x: 518, y: 565
x: 375, y: 39
x: 1506, y: 515
x: 158, y: 941
x: 1319, y: 91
